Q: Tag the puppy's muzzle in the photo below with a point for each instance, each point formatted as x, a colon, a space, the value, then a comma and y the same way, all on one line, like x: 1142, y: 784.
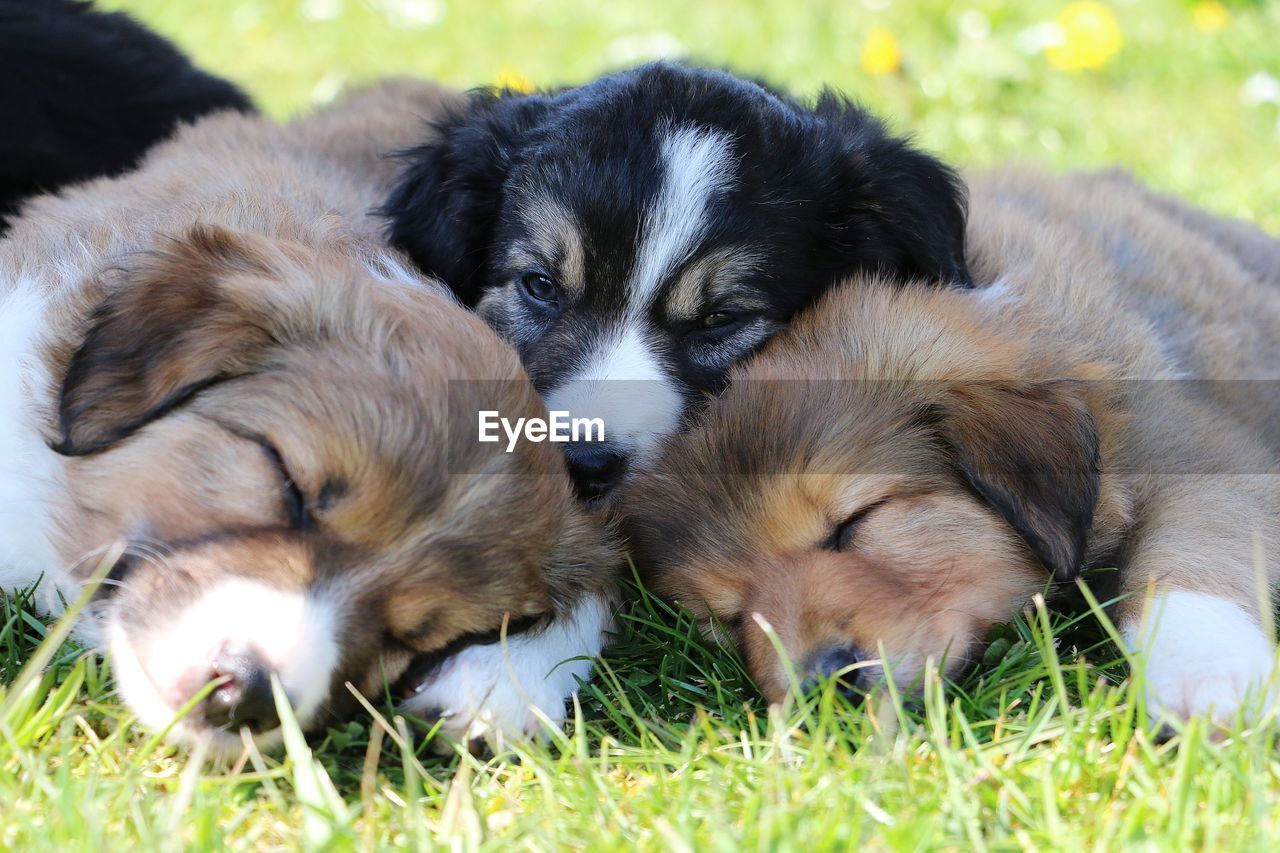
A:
x: 595, y: 468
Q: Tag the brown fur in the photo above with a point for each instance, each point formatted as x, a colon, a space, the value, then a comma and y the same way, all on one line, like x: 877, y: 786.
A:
x: 993, y: 434
x: 232, y: 300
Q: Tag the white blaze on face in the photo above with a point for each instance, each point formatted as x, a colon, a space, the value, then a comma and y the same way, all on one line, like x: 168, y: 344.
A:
x: 697, y: 165
x: 293, y: 632
x: 626, y: 387
x: 624, y: 379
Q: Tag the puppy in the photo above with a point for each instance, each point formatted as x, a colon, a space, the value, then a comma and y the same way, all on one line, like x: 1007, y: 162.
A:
x: 907, y: 466
x: 635, y: 236
x: 216, y: 360
x: 84, y: 93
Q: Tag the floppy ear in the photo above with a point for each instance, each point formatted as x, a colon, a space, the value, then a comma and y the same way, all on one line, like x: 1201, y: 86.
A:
x: 905, y: 209
x: 160, y: 336
x: 445, y: 205
x: 1030, y: 450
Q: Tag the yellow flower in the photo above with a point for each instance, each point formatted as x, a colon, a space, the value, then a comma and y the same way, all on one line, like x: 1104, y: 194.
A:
x: 881, y: 53
x: 509, y: 78
x: 1089, y: 37
x: 1209, y: 16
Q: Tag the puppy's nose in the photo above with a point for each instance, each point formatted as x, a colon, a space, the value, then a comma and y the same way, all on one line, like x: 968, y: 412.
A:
x: 245, y: 698
x: 595, y: 468
x: 834, y: 662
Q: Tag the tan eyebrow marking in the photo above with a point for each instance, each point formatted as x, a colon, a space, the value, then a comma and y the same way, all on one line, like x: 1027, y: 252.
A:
x: 711, y: 277
x: 556, y: 235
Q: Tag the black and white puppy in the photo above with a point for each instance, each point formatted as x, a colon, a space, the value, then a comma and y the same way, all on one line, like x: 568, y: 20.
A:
x: 85, y: 93
x: 635, y: 236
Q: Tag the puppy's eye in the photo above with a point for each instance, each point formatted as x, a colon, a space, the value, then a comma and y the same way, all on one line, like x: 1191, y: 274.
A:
x: 842, y: 537
x: 540, y: 288
x: 725, y: 629
x: 295, y: 503
x: 716, y: 320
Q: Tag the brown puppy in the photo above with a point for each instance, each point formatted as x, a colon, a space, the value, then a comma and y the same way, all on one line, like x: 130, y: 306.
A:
x: 215, y: 359
x: 900, y: 469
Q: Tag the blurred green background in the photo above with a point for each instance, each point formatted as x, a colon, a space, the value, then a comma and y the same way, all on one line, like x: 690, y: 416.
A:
x: 1185, y: 94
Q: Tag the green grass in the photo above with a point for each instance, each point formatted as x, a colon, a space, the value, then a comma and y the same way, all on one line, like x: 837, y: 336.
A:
x: 1044, y: 747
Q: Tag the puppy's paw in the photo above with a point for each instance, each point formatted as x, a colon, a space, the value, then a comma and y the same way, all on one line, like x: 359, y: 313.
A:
x: 499, y: 691
x: 488, y: 693
x: 1205, y: 657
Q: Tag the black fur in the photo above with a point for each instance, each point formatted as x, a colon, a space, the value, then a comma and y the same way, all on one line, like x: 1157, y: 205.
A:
x: 85, y: 93
x: 826, y: 189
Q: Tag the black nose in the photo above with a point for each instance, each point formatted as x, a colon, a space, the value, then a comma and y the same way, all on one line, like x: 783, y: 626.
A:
x: 835, y: 662
x: 245, y: 698
x: 595, y: 468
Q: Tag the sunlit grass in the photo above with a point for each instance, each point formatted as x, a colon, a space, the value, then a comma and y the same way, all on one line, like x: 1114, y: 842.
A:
x: 1043, y: 745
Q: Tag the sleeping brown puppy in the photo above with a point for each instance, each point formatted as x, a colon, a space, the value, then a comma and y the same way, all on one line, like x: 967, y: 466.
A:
x: 216, y: 360
x: 905, y: 467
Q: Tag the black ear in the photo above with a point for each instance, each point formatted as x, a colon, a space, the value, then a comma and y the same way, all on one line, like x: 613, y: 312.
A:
x: 445, y: 205
x: 892, y: 206
x: 163, y: 333
x: 1030, y: 450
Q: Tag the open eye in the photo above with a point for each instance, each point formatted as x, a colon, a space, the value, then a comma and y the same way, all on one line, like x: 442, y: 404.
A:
x: 718, y: 322
x: 540, y: 288
x: 846, y: 531
x: 295, y: 503
x: 715, y: 320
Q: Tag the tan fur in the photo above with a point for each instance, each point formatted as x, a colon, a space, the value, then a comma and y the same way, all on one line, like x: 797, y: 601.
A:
x: 559, y: 236
x: 242, y: 261
x: 925, y: 402
x: 709, y: 279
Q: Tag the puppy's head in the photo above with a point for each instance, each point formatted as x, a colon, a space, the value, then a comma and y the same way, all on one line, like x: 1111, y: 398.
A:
x: 879, y: 487
x: 635, y: 236
x: 284, y: 440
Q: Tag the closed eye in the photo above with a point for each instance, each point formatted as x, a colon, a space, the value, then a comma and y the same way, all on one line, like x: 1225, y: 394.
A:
x: 296, y: 507
x: 725, y: 630
x: 295, y: 503
x: 733, y: 623
x: 845, y: 533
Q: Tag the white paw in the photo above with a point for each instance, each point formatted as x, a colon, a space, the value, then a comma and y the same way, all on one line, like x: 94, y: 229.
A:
x: 501, y: 691
x: 1205, y: 657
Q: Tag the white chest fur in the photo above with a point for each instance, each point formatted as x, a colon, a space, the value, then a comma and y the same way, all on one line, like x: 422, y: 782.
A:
x: 30, y: 473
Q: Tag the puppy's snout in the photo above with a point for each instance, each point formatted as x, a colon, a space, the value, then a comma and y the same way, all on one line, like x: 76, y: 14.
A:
x: 244, y: 698
x: 839, y: 663
x: 595, y: 468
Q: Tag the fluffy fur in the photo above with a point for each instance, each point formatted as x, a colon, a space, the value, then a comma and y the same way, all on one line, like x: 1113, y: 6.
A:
x: 85, y: 93
x: 906, y: 466
x: 635, y: 236
x: 223, y: 366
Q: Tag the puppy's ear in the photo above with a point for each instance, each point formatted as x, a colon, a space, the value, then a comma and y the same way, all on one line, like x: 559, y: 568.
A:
x: 166, y: 331
x: 445, y: 205
x: 1030, y: 450
x: 893, y: 207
